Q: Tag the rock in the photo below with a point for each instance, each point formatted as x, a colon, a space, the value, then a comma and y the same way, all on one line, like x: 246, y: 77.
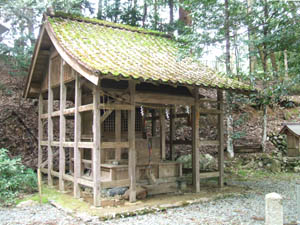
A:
x: 297, y: 169
x: 141, y: 193
x: 260, y: 164
x: 186, y: 161
x: 207, y: 162
x: 117, y: 191
x: 275, y: 166
x: 27, y: 203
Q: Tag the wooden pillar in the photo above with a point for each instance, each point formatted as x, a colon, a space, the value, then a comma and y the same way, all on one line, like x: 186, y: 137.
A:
x: 162, y: 120
x: 50, y: 126
x: 40, y: 131
x: 153, y: 114
x: 77, y: 136
x: 195, y: 142
x: 172, y: 133
x: 221, y: 137
x: 96, y: 147
x: 131, y: 140
x: 118, y: 134
x: 62, y: 128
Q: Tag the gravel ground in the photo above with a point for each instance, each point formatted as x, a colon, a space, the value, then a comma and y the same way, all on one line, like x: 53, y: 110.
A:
x: 240, y: 209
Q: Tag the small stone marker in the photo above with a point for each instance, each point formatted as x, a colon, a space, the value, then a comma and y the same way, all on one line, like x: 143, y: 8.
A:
x: 274, y: 209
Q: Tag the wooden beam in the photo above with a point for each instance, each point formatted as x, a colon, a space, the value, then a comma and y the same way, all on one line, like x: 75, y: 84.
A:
x: 114, y: 145
x: 50, y: 127
x: 77, y: 137
x: 159, y: 98
x: 131, y: 140
x: 221, y: 138
x: 62, y: 128
x: 118, y: 134
x: 162, y: 119
x: 40, y: 131
x: 96, y: 152
x: 172, y: 133
x: 195, y: 142
x: 209, y: 175
x: 153, y: 123
x: 210, y: 111
x: 105, y: 115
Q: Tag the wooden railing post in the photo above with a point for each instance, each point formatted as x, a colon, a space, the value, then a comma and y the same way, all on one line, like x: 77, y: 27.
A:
x: 50, y: 126
x: 221, y: 137
x: 77, y: 137
x: 62, y: 128
x: 96, y: 155
x: 40, y: 130
x: 172, y: 133
x: 162, y: 120
x: 118, y: 133
x: 131, y: 140
x: 195, y: 142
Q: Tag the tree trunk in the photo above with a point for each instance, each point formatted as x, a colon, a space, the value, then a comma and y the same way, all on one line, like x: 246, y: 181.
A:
x: 273, y: 61
x: 265, y: 124
x: 171, y: 7
x: 252, y: 58
x: 100, y: 10
x: 286, y: 67
x: 145, y: 11
x: 155, y: 14
x: 228, y: 72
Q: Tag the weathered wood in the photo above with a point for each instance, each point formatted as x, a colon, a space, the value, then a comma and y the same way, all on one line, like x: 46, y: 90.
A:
x: 97, y: 147
x: 114, y: 145
x: 86, y: 144
x: 131, y: 140
x: 115, y: 106
x: 69, y: 59
x: 62, y: 129
x: 35, y: 56
x: 159, y: 98
x: 41, y: 131
x: 195, y: 143
x: 77, y: 137
x: 162, y: 119
x: 209, y: 175
x: 221, y: 138
x: 153, y: 123
x: 210, y: 111
x: 50, y: 127
x: 105, y: 115
x: 118, y: 134
x: 172, y: 133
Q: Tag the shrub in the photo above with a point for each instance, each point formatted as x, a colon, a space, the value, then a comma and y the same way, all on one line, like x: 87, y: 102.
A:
x: 15, y: 178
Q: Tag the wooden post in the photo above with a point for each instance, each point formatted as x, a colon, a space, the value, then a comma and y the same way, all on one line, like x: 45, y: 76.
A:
x: 131, y: 140
x: 162, y: 119
x: 50, y: 126
x: 77, y: 137
x: 221, y: 138
x: 39, y: 176
x: 153, y: 114
x: 62, y: 128
x: 172, y: 133
x: 118, y: 134
x: 97, y: 147
x: 195, y: 142
x: 41, y: 131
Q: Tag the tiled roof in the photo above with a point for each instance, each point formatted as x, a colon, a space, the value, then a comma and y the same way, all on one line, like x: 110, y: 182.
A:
x: 129, y: 52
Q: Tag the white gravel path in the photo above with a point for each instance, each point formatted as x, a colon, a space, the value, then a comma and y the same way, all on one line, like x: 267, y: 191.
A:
x: 240, y: 209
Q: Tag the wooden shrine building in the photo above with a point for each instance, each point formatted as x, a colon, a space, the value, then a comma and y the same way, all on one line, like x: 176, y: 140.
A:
x: 98, y: 82
x: 292, y: 132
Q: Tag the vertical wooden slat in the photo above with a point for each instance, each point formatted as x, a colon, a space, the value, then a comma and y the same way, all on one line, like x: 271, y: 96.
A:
x: 221, y: 138
x: 62, y: 128
x: 131, y: 139
x: 50, y: 126
x: 162, y: 120
x: 153, y: 123
x: 77, y: 136
x: 118, y: 133
x: 96, y: 149
x: 40, y: 131
x: 195, y: 142
x: 172, y: 133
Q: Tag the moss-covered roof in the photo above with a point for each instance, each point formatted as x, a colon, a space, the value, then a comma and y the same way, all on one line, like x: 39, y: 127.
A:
x: 128, y: 52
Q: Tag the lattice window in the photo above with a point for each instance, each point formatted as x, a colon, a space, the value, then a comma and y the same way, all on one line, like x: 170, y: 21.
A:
x: 138, y: 120
x: 109, y: 123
